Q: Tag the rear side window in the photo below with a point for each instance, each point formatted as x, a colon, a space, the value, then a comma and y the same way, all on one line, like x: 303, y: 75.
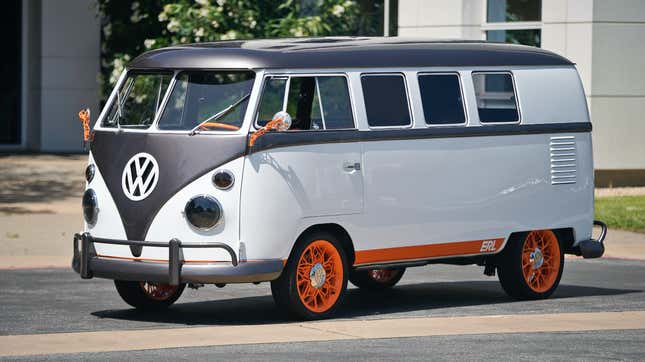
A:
x: 496, y: 100
x: 441, y: 99
x: 314, y: 103
x: 386, y: 100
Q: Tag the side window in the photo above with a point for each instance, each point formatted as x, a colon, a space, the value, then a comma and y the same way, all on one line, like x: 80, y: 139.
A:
x: 386, y: 100
x: 314, y: 103
x: 303, y: 104
x: 495, y: 94
x: 335, y: 103
x: 441, y: 99
x: 272, y: 99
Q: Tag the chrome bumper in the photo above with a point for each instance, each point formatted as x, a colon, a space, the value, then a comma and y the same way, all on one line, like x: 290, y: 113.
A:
x: 176, y: 271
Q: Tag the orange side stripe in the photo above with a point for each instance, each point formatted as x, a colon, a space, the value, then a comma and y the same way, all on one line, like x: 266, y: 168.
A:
x: 428, y: 251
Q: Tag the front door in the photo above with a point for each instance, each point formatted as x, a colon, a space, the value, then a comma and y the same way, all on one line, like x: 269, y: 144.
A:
x: 306, y: 174
x: 323, y: 175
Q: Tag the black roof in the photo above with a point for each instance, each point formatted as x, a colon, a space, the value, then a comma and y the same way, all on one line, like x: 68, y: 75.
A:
x: 344, y: 52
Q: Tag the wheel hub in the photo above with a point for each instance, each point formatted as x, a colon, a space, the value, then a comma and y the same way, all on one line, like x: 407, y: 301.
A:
x: 537, y: 258
x: 317, y: 275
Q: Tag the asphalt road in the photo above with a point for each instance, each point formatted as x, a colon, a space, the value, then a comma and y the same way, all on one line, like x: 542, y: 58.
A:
x: 45, y: 301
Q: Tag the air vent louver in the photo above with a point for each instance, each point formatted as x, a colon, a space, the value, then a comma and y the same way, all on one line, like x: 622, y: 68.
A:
x: 562, y: 151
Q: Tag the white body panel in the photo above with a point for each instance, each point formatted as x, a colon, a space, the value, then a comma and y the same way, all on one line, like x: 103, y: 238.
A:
x: 108, y: 223
x: 459, y: 189
x: 287, y: 188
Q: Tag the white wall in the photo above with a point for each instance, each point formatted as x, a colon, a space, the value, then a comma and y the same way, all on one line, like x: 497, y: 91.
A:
x: 618, y: 88
x: 441, y: 18
x: 606, y: 40
x: 70, y: 61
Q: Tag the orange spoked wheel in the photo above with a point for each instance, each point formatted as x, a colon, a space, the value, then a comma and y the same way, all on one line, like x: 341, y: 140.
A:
x: 148, y: 295
x: 540, y: 260
x: 158, y: 291
x: 314, y: 279
x: 320, y: 276
x: 531, y: 266
x: 376, y: 279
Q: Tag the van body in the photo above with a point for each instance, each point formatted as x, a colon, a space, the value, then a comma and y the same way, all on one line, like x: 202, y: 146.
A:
x: 311, y: 162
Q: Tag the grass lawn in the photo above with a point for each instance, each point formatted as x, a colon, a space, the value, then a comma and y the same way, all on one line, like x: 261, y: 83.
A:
x: 622, y: 212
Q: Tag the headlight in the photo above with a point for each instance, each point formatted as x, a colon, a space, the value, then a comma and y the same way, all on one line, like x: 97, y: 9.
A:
x: 203, y: 212
x: 90, y: 206
x: 223, y: 179
x: 89, y: 172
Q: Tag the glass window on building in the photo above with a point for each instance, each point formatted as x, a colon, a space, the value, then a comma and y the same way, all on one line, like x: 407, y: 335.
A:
x: 525, y: 37
x: 514, y: 21
x: 506, y: 11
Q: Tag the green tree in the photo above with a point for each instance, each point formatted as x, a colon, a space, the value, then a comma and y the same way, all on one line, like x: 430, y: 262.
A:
x: 132, y: 28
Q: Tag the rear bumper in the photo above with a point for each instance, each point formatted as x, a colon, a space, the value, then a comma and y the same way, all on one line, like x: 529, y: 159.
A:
x: 175, y: 271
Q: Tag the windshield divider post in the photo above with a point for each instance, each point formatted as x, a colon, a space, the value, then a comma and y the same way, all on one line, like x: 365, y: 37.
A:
x: 164, y: 101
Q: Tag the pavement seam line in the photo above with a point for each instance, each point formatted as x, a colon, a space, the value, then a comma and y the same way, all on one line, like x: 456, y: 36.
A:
x: 330, y: 331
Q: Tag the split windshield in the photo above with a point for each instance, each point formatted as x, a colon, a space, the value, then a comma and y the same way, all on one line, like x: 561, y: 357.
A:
x: 199, y: 101
x: 138, y: 100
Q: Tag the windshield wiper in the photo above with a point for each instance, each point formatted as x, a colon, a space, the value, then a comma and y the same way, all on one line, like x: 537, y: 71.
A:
x: 219, y: 114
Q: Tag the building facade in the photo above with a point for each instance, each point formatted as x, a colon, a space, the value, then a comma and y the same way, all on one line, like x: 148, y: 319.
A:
x: 53, y: 68
x: 604, y: 38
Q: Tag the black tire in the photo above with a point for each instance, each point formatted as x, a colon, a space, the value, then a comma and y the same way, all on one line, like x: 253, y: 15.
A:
x: 134, y: 294
x: 285, y: 290
x: 364, y: 279
x: 511, y: 275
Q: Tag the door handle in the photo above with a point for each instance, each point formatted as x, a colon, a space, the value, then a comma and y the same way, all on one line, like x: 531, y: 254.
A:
x: 349, y: 167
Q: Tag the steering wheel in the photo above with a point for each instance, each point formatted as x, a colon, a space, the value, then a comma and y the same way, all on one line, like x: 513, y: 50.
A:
x: 206, y: 126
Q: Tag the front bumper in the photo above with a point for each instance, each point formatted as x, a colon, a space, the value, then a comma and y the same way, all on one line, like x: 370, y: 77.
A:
x: 88, y: 264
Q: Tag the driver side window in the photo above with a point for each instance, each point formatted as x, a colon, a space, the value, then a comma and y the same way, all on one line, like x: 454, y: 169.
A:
x: 314, y: 103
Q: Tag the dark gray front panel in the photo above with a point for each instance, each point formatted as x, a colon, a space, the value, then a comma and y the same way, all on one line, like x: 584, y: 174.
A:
x: 181, y: 159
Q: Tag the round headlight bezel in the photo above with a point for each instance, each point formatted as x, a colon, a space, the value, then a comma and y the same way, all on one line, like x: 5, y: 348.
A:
x: 190, y: 217
x: 90, y: 203
x: 90, y: 170
x: 223, y: 173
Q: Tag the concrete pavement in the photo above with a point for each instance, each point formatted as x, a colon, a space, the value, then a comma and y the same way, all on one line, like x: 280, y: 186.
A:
x: 40, y: 209
x: 564, y: 346
x: 597, y: 311
x: 335, y: 330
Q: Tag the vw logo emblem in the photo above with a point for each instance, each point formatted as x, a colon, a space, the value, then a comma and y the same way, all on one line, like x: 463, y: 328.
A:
x: 140, y: 176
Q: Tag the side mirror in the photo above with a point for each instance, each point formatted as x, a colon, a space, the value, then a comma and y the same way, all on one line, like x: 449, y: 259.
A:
x: 84, y: 118
x: 281, y: 122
